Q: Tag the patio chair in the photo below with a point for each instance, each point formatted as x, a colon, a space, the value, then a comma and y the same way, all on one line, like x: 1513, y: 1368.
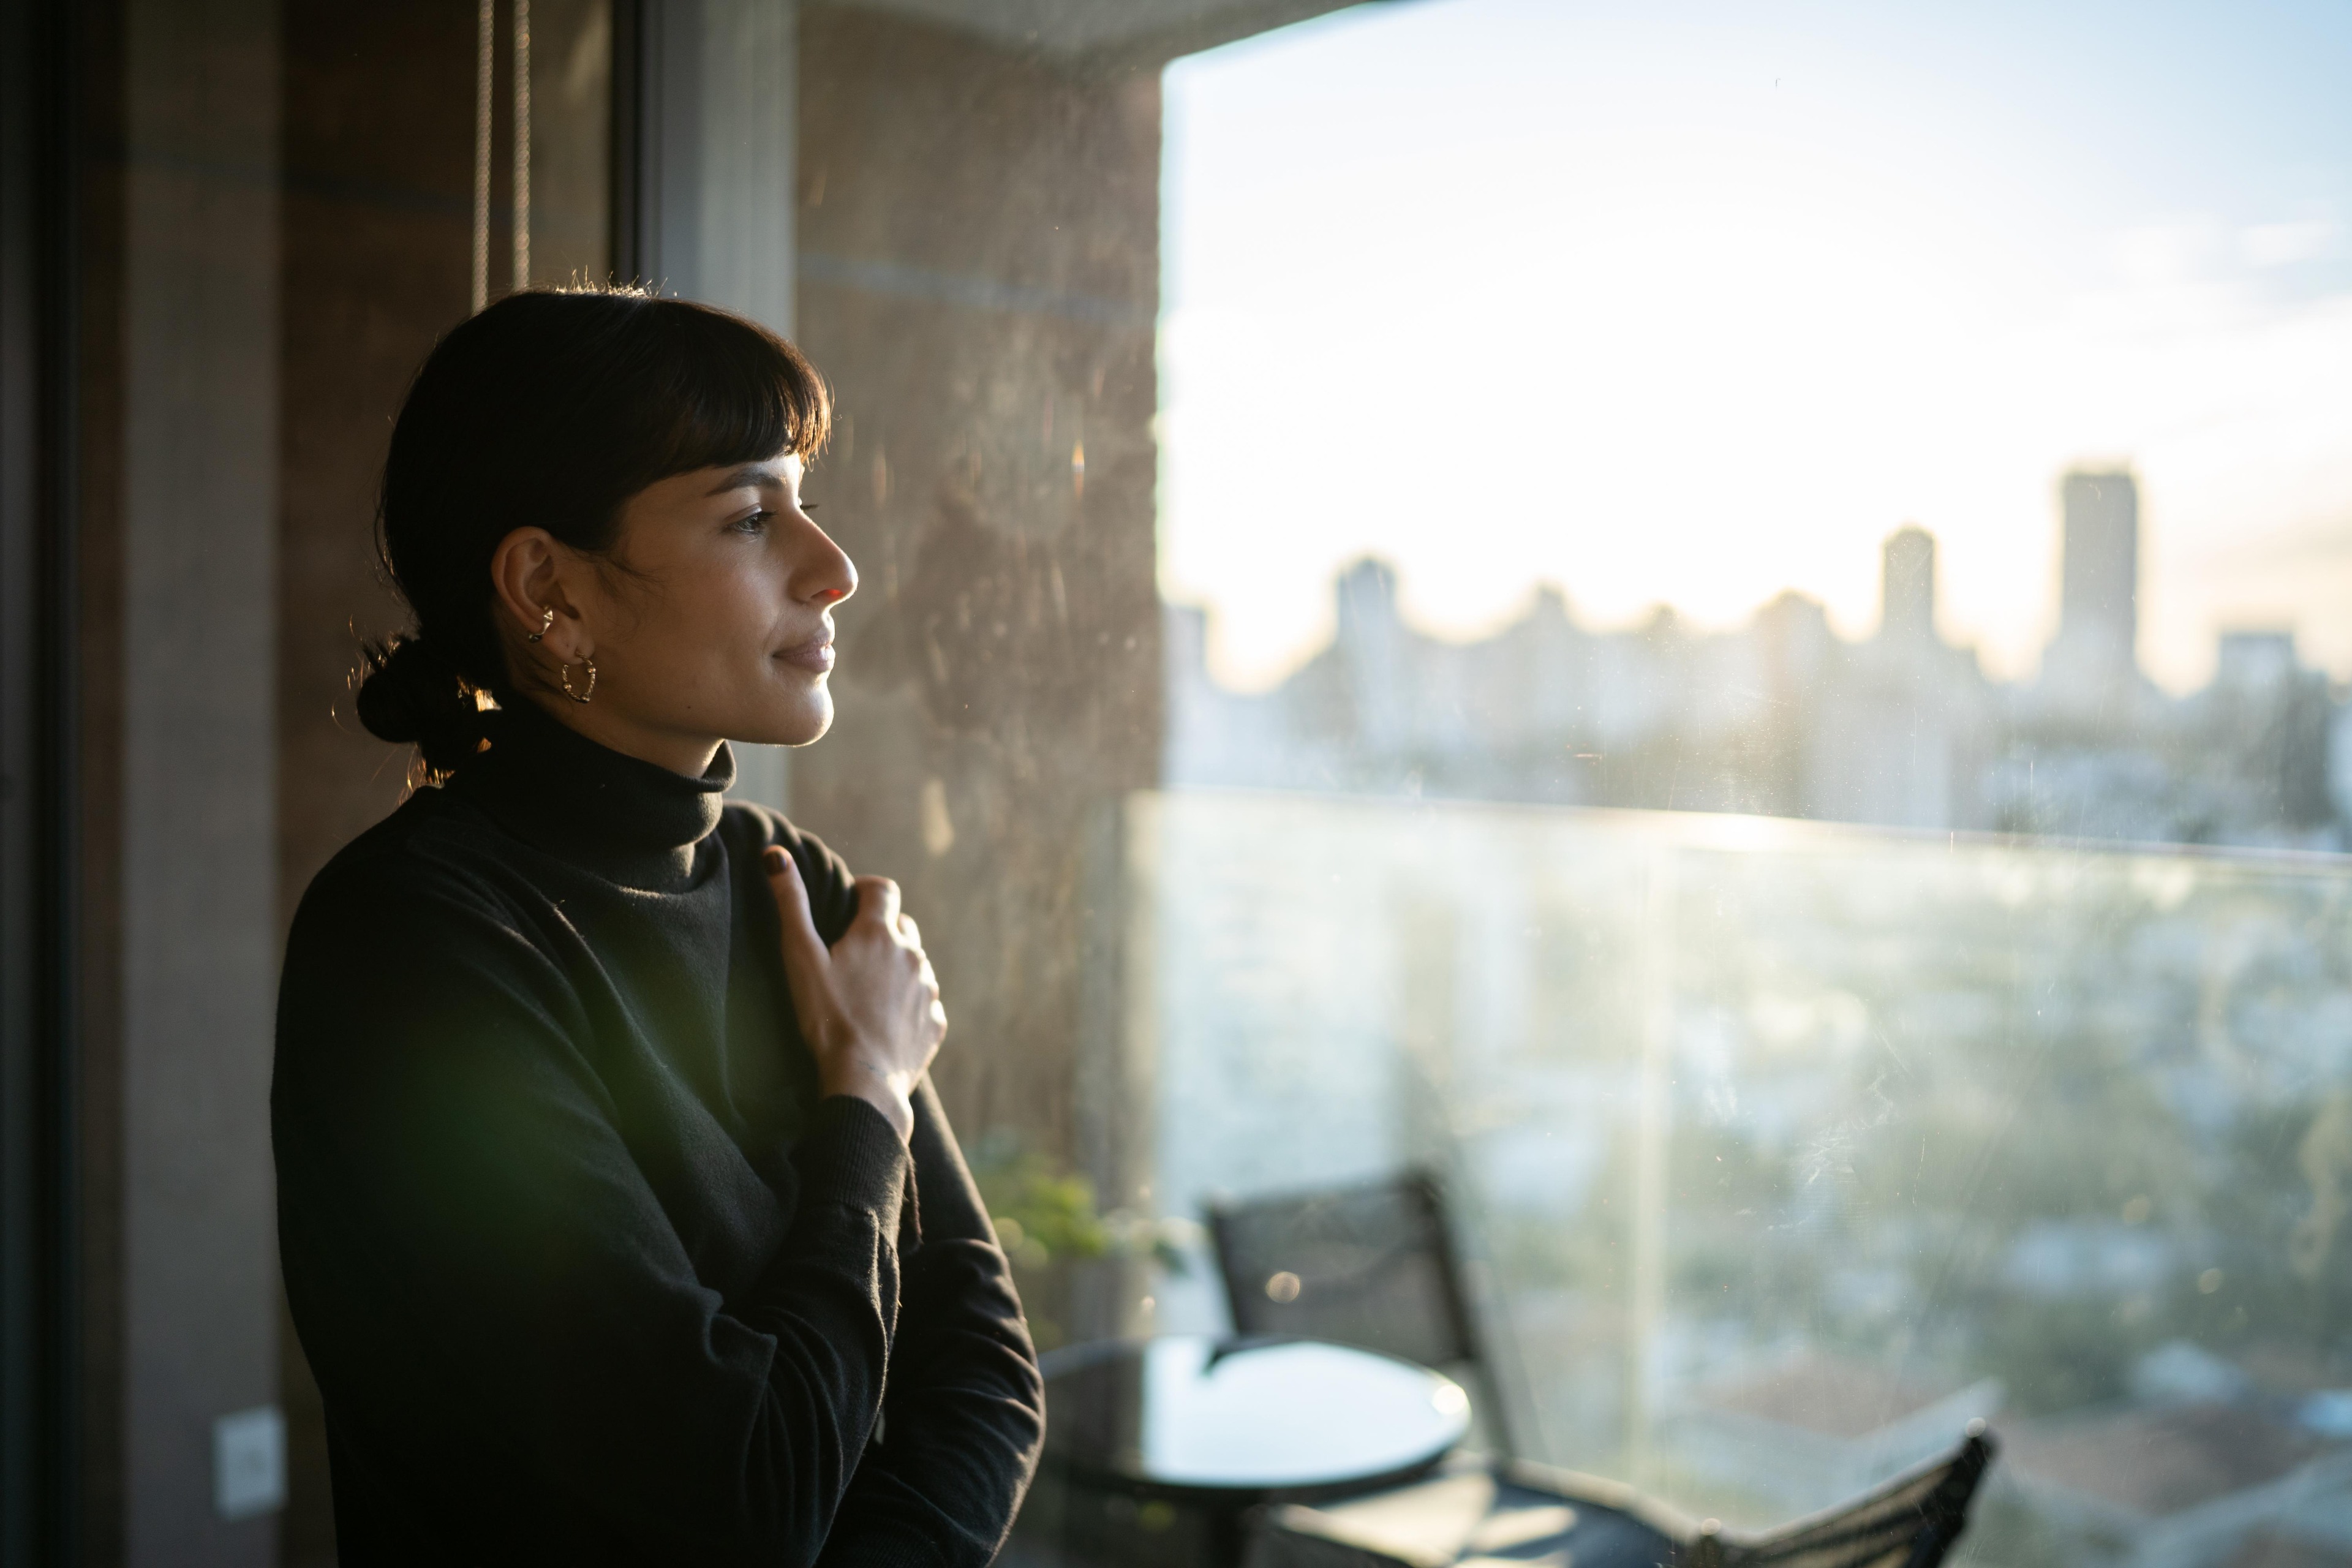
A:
x: 1526, y: 1512
x: 1372, y: 1265
x: 1471, y: 1511
x: 1910, y: 1522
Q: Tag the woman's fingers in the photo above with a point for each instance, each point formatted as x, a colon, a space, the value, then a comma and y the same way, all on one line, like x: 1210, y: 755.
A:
x: 805, y: 958
x: 869, y: 1006
x: 878, y: 899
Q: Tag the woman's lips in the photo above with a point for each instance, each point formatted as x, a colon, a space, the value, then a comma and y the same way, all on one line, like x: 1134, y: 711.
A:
x: 815, y: 656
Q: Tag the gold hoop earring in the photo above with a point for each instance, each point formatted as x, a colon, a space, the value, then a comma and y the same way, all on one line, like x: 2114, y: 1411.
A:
x: 545, y: 621
x: 563, y: 674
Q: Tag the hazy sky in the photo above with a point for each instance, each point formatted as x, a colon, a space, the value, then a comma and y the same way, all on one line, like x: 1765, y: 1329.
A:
x: 1695, y: 302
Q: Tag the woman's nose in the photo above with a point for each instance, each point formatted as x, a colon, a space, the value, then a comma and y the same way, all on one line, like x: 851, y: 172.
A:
x: 829, y: 575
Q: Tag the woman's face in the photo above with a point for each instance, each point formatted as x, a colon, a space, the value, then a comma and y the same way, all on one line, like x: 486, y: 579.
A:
x: 711, y: 621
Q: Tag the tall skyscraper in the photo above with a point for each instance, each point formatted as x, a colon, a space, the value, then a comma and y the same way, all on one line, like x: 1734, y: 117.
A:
x: 1907, y: 590
x: 2098, y: 624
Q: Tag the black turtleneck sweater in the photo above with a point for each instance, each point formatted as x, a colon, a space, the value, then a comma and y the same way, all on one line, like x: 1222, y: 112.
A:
x: 587, y: 1271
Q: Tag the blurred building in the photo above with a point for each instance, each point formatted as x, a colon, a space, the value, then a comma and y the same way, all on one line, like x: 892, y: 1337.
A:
x: 2095, y: 656
x: 1781, y: 716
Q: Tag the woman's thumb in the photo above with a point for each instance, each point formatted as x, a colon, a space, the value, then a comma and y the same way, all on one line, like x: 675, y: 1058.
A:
x: 804, y: 951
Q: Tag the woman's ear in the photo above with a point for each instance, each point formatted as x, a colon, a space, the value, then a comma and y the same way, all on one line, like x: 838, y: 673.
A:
x: 527, y: 582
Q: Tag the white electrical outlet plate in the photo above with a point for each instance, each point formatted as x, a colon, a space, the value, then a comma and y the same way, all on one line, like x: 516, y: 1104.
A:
x: 249, y: 1462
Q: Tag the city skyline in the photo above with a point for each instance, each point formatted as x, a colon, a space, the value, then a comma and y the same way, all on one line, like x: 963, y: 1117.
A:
x: 2077, y: 615
x: 1781, y: 716
x: 1693, y: 305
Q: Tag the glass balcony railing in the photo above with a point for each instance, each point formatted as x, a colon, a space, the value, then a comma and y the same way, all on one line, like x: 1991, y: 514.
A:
x: 1785, y: 1150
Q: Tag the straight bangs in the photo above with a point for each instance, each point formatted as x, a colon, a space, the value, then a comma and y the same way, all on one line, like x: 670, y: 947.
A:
x: 719, y: 390
x: 634, y: 389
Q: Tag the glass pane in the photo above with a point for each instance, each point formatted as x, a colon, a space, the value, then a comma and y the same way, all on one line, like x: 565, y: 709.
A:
x: 1787, y: 1150
x: 1891, y: 452
x: 571, y: 141
x: 1850, y: 414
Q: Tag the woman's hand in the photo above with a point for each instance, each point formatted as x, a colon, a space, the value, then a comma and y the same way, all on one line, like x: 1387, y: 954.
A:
x: 869, y: 1006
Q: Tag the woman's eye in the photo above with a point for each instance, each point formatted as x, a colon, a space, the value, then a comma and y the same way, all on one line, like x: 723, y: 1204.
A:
x: 755, y: 523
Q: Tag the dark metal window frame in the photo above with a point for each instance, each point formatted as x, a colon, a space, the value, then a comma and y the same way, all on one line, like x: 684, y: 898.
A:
x: 40, y: 1348
x: 641, y: 28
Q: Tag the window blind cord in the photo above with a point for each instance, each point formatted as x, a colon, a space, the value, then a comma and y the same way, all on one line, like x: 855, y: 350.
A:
x: 485, y: 61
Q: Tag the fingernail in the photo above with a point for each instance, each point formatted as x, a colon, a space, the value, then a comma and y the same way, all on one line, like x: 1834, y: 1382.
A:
x: 773, y: 858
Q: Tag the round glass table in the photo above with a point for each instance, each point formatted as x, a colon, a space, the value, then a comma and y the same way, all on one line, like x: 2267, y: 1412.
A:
x: 1246, y: 1420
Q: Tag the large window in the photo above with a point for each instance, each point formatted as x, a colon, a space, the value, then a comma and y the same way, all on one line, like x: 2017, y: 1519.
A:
x: 1788, y: 1150
x: 1927, y: 422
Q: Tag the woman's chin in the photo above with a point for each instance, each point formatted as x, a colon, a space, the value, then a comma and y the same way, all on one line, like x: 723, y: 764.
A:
x: 806, y: 718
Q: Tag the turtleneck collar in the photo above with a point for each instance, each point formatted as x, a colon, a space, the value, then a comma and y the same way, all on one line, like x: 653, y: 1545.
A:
x: 551, y: 787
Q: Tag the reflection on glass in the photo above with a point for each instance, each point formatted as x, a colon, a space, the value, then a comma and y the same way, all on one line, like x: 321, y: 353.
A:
x: 1183, y: 1411
x: 1794, y: 1148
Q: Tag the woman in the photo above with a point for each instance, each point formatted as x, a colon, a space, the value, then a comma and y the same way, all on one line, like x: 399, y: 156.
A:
x: 619, y: 1220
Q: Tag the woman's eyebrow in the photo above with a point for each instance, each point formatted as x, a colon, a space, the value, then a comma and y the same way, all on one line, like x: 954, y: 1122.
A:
x: 749, y: 474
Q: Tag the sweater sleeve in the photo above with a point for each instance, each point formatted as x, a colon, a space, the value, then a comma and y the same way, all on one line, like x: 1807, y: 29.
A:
x: 966, y: 1410
x: 966, y: 1404
x: 459, y: 1210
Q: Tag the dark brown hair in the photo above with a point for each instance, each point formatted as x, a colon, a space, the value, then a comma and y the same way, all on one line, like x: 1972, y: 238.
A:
x: 551, y: 409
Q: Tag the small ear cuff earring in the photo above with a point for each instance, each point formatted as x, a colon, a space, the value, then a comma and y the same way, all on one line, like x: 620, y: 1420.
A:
x: 546, y: 619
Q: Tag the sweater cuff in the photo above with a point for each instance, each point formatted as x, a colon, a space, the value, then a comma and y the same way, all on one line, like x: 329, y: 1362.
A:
x: 853, y: 1156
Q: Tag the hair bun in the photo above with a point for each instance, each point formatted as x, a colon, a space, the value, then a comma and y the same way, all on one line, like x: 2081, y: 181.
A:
x: 409, y: 694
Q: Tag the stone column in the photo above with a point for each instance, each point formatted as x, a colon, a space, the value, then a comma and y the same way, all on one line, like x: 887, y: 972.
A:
x: 979, y: 279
